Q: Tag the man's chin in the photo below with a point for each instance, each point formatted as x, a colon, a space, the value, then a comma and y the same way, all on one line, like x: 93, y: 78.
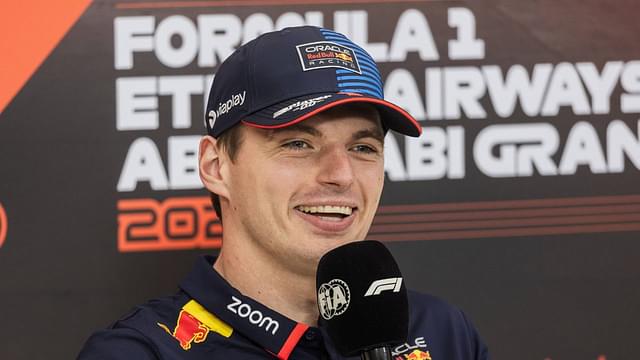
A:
x: 339, y: 242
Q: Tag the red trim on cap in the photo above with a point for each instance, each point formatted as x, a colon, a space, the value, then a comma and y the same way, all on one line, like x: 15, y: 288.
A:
x: 292, y: 341
x: 335, y: 103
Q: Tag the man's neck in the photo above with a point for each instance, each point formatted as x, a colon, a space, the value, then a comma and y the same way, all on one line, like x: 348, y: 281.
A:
x: 287, y: 292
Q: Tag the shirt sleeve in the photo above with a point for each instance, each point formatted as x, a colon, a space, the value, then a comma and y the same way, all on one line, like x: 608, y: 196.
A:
x: 477, y: 346
x: 118, y: 344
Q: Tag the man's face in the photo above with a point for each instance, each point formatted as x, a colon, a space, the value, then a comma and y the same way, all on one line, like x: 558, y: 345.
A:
x: 300, y: 191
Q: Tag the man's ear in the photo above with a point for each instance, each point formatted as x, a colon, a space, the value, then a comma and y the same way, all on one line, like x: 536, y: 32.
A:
x: 211, y: 165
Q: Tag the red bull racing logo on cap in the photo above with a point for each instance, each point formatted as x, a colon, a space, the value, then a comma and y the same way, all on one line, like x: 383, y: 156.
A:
x: 327, y: 54
x: 194, y: 324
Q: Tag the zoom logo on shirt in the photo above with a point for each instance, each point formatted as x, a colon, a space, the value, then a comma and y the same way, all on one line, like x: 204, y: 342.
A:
x: 254, y: 316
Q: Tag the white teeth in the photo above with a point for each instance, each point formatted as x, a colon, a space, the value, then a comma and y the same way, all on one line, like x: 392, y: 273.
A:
x: 326, y: 209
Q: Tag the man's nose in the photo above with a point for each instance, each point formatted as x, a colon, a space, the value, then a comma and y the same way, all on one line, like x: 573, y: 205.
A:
x: 336, y: 168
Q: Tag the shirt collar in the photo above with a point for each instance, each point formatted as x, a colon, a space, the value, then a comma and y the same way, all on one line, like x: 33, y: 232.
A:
x: 273, y: 331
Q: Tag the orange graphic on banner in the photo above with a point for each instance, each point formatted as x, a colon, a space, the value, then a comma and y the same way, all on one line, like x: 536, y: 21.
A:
x: 3, y: 225
x: 30, y: 31
x: 177, y: 223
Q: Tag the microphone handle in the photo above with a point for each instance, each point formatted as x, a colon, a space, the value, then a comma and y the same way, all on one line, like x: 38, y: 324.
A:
x: 380, y: 353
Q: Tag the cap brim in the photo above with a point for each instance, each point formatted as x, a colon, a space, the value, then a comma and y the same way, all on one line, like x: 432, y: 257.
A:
x: 301, y: 108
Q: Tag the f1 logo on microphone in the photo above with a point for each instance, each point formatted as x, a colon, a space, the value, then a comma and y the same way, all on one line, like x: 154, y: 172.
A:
x: 381, y: 285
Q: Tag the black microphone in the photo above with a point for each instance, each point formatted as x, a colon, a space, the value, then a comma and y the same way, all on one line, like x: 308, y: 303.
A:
x: 362, y: 300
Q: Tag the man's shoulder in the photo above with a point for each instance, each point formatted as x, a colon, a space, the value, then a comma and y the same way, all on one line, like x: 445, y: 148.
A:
x: 139, y: 332
x: 152, y: 314
x: 436, y: 312
x: 441, y: 330
x: 423, y: 304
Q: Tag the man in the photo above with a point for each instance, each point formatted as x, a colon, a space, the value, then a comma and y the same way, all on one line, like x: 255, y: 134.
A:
x: 294, y: 161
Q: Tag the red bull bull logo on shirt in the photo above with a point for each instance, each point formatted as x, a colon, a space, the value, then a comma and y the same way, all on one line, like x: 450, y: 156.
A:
x: 418, y: 355
x: 194, y: 324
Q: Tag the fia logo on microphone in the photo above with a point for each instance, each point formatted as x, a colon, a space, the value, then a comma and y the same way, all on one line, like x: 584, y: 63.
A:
x: 333, y: 298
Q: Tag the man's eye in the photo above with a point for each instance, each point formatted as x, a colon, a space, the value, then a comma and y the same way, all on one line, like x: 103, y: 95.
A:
x: 366, y: 149
x: 296, y: 145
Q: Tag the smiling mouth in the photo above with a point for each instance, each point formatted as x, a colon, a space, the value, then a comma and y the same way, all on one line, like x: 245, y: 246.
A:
x: 327, y: 212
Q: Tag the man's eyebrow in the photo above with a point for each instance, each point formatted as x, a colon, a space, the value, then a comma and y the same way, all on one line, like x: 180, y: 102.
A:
x: 375, y: 133
x: 299, y: 127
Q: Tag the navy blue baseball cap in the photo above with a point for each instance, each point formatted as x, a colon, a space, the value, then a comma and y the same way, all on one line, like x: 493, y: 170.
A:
x: 287, y: 76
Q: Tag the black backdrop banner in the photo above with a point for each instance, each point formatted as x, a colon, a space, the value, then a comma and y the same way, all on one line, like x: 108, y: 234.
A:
x: 519, y: 203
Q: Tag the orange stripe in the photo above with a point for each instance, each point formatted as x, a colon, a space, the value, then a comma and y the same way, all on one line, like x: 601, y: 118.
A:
x: 505, y: 214
x: 550, y: 230
x: 510, y: 204
x: 30, y: 31
x: 292, y: 340
x: 534, y: 217
x: 3, y: 225
x: 500, y: 223
x: 196, y: 4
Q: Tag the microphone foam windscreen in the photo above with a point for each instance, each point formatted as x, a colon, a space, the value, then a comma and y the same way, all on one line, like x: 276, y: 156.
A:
x: 362, y: 298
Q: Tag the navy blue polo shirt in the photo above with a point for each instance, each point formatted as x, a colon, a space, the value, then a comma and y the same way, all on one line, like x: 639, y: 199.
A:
x: 209, y: 319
